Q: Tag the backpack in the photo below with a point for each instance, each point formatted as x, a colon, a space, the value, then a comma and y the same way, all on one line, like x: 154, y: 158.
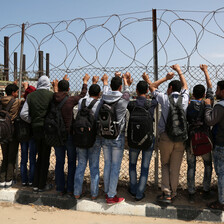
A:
x: 140, y: 126
x: 199, y: 134
x: 6, y: 125
x: 108, y: 126
x: 176, y: 124
x: 84, y: 126
x: 54, y: 126
x: 22, y: 129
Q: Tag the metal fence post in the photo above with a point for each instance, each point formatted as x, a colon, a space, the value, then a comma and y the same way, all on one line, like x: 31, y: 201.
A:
x: 15, y: 66
x: 155, y: 62
x: 47, y: 64
x: 21, y: 59
x: 6, y: 58
x: 41, y: 69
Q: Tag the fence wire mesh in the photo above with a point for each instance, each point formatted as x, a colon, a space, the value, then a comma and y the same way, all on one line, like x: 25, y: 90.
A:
x: 96, y: 45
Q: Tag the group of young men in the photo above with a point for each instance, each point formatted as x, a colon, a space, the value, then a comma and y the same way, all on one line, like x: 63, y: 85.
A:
x: 199, y: 113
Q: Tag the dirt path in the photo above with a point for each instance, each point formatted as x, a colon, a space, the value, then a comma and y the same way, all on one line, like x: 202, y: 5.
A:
x: 23, y: 214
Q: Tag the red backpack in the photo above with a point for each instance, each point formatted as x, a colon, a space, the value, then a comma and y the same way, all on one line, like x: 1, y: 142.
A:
x: 199, y: 133
x: 200, y: 142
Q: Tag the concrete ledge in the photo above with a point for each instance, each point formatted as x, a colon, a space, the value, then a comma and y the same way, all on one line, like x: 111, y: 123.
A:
x: 184, y: 213
x: 126, y: 208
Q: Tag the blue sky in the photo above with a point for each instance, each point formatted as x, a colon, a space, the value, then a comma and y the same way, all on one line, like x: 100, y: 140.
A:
x: 28, y: 11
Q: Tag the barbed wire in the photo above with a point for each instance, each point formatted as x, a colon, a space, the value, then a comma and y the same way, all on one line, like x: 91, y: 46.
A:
x: 118, y: 40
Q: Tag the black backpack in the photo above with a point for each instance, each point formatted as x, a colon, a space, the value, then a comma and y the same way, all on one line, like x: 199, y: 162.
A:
x: 176, y: 124
x: 6, y: 125
x: 22, y: 129
x: 56, y: 133
x: 140, y: 126
x: 84, y: 126
x: 108, y: 126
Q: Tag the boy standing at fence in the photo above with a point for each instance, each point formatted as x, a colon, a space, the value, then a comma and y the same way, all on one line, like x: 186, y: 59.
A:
x: 92, y: 153
x: 34, y: 111
x: 10, y: 148
x: 171, y: 152
x: 113, y: 148
x: 61, y: 91
x: 195, y: 118
x: 137, y: 189
x: 215, y: 117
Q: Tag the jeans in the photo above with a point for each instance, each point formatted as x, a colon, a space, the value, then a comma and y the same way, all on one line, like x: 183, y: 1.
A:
x: 113, y: 153
x: 60, y: 162
x: 25, y: 147
x: 139, y: 188
x: 92, y: 154
x: 191, y: 162
x: 218, y: 156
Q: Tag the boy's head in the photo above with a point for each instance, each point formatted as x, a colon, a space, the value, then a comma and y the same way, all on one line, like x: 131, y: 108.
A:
x: 63, y: 86
x: 142, y: 87
x: 199, y: 91
x: 174, y: 86
x: 219, y: 91
x: 116, y: 83
x: 94, y: 90
x: 12, y: 90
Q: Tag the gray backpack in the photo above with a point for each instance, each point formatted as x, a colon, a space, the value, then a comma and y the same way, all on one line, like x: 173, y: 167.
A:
x: 176, y: 123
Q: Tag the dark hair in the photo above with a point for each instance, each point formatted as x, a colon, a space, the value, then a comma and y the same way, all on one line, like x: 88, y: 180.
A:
x: 198, y: 91
x: 142, y: 87
x: 176, y: 85
x: 10, y: 89
x: 220, y: 84
x: 116, y: 82
x: 94, y: 90
x: 63, y: 85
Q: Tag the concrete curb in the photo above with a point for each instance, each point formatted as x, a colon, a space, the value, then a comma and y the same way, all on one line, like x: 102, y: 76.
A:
x: 126, y: 208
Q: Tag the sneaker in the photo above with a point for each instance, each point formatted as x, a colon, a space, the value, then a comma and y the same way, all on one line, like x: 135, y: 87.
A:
x: 24, y: 184
x: 132, y: 194
x: 47, y: 187
x: 206, y: 195
x: 30, y: 184
x: 139, y: 199
x: 8, y: 184
x: 2, y: 184
x: 35, y: 190
x: 191, y: 198
x: 114, y: 200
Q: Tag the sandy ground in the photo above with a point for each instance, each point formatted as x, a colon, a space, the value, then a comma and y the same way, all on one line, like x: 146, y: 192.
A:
x: 31, y: 214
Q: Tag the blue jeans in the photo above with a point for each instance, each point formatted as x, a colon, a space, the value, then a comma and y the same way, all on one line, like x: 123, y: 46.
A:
x: 59, y: 168
x: 191, y: 162
x: 28, y: 147
x: 139, y: 188
x: 92, y: 154
x: 218, y: 155
x: 113, y: 153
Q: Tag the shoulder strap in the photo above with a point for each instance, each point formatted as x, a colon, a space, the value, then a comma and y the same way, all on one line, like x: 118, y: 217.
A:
x: 147, y: 104
x: 60, y: 105
x: 92, y: 104
x: 201, y: 110
x: 9, y: 105
x: 83, y: 104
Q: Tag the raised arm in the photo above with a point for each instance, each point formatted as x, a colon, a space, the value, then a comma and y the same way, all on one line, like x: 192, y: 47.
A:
x: 204, y: 68
x: 183, y: 81
x: 154, y: 86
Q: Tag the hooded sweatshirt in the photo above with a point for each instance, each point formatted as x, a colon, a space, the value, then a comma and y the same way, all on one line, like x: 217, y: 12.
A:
x: 123, y: 100
x: 67, y: 108
x: 37, y: 103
